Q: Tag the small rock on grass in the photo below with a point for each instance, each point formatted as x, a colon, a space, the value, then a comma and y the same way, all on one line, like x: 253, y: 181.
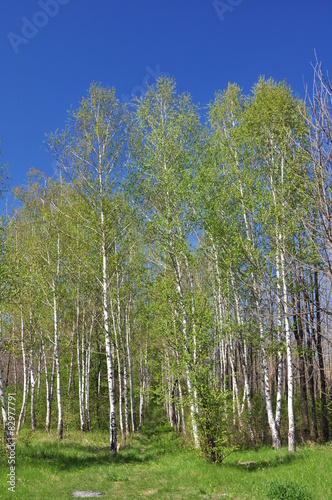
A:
x: 87, y: 494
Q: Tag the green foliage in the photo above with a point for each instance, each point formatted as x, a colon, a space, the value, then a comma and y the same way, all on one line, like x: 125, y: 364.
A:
x: 287, y: 491
x: 192, y: 222
x: 4, y: 175
x: 159, y: 466
x: 214, y: 433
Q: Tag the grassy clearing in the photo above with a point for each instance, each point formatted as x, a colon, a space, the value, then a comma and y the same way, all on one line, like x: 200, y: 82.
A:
x: 159, y: 466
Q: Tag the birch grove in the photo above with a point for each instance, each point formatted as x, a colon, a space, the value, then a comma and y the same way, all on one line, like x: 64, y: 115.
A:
x: 176, y: 269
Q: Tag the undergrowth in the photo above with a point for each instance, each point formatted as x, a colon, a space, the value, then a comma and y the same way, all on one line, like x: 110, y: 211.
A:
x: 156, y: 462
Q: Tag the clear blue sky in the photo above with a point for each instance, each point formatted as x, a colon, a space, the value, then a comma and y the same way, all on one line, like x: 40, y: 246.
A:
x: 125, y: 43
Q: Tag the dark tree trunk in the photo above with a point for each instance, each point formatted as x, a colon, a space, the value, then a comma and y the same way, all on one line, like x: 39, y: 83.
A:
x: 299, y: 336
x: 310, y: 370
x: 325, y: 424
x: 8, y: 367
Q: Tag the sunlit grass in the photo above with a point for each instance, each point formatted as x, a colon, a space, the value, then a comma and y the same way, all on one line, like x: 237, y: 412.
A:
x: 159, y: 465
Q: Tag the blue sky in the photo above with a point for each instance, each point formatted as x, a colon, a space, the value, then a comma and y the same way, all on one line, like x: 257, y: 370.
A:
x: 51, y: 50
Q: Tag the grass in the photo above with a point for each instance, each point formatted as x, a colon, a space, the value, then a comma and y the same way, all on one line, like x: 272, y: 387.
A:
x: 158, y: 465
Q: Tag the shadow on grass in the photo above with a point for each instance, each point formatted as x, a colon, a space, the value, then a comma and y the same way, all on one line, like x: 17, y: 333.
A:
x: 267, y: 464
x: 71, y: 456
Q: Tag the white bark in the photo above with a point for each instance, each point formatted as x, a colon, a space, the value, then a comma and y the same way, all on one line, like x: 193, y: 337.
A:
x: 141, y: 392
x: 39, y: 371
x: 265, y: 369
x: 130, y: 368
x: 98, y: 382
x: 143, y: 381
x: 56, y: 341
x: 108, y: 348
x: 25, y: 385
x: 183, y: 422
x: 48, y: 389
x: 235, y: 385
x: 290, y: 405
x: 290, y: 395
x: 191, y: 393
x: 280, y: 364
x: 219, y: 315
x: 33, y: 384
x: 70, y: 379
x: 57, y: 366
x: 4, y: 408
x: 87, y: 375
x: 141, y: 400
x: 243, y: 344
x: 80, y: 366
x: 266, y: 380
x: 124, y: 357
x: 120, y: 388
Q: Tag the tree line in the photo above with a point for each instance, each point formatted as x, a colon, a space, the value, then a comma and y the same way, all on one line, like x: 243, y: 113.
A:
x: 179, y: 260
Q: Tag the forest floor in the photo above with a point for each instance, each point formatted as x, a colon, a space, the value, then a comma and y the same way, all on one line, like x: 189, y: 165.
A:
x: 160, y: 466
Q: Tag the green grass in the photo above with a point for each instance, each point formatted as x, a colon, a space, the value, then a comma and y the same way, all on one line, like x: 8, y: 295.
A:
x: 158, y: 465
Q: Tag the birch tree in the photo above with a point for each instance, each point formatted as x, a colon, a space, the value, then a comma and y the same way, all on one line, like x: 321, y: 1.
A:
x: 165, y: 149
x: 91, y: 151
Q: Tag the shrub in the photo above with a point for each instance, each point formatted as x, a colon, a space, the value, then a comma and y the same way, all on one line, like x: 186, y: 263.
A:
x: 287, y: 491
x: 212, y: 424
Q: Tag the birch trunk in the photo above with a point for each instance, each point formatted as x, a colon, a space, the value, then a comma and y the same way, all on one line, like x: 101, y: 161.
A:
x: 143, y: 381
x: 33, y: 384
x: 20, y: 418
x: 56, y: 342
x: 264, y: 430
x: 48, y: 390
x: 276, y: 439
x: 39, y: 371
x: 124, y: 357
x: 193, y: 312
x: 4, y: 412
x: 280, y: 358
x: 98, y: 380
x: 71, y: 369
x: 15, y: 375
x: 57, y: 367
x: 79, y: 367
x: 108, y: 348
x: 172, y: 409
x: 8, y: 367
x: 235, y: 386
x: 191, y: 393
x: 290, y: 404
x: 141, y: 393
x: 183, y: 422
x: 247, y: 388
x: 130, y: 367
x: 280, y: 311
x: 290, y: 390
x: 244, y: 365
x: 120, y: 389
x: 87, y: 375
